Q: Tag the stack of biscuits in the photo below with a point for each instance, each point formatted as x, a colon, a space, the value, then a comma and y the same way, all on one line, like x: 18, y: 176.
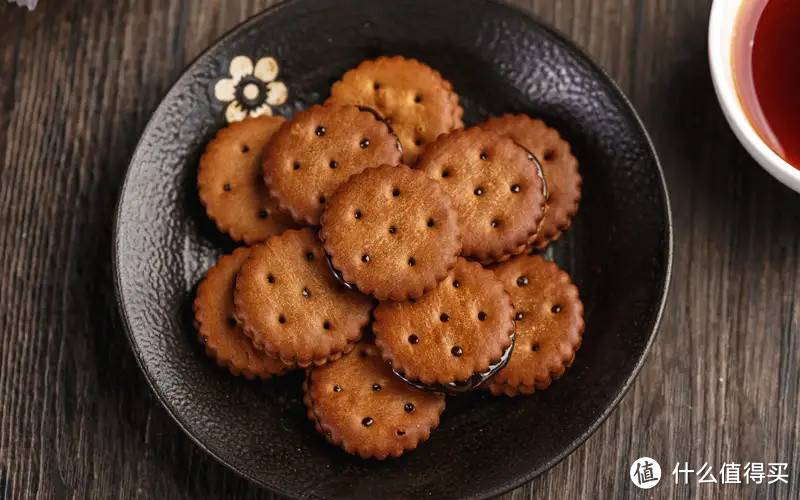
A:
x: 390, y: 253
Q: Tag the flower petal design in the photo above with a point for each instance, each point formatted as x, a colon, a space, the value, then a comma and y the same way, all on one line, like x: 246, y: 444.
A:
x: 266, y: 69
x: 263, y: 110
x: 277, y: 93
x: 235, y: 113
x: 241, y: 66
x: 225, y: 90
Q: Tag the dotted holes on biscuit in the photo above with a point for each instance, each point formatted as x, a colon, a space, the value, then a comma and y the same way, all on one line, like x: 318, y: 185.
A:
x: 263, y: 214
x: 245, y: 148
x: 413, y: 339
x: 555, y: 309
x: 296, y: 165
x: 534, y: 347
x: 495, y: 223
x: 227, y: 187
x: 549, y: 155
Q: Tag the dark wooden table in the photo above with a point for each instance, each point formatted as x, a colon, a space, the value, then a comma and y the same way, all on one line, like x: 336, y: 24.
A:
x: 78, y: 81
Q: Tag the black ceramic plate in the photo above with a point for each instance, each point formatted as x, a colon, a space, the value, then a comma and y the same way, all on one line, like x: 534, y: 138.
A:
x: 499, y: 60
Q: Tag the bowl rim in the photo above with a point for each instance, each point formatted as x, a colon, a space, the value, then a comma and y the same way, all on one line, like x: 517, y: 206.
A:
x: 622, y: 390
x: 721, y: 30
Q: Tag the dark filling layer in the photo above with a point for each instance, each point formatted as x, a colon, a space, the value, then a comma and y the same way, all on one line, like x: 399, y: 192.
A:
x: 382, y: 120
x: 338, y: 274
x: 539, y: 170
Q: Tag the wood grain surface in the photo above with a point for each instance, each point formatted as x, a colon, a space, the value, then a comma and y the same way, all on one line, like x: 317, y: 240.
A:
x: 78, y: 81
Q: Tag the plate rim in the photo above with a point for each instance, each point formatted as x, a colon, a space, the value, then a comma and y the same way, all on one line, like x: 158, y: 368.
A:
x: 530, y: 19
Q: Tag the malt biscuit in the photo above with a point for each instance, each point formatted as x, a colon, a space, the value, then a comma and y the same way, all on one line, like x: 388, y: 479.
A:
x: 559, y: 165
x: 414, y: 98
x: 549, y: 318
x: 495, y: 189
x: 231, y: 185
x: 290, y: 305
x: 217, y: 328
x: 358, y: 404
x: 317, y: 151
x: 391, y: 232
x: 454, y: 332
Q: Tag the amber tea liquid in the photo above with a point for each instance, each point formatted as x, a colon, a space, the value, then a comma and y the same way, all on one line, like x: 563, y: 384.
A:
x: 766, y: 69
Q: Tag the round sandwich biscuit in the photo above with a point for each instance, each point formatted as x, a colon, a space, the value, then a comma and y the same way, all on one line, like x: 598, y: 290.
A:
x: 357, y: 403
x: 559, y: 165
x: 217, y: 328
x: 549, y: 317
x: 495, y: 188
x: 231, y: 184
x: 292, y: 307
x: 457, y: 331
x: 391, y: 232
x: 310, y: 156
x: 412, y: 97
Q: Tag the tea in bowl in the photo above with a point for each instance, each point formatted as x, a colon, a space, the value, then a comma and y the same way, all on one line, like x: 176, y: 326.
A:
x: 751, y: 46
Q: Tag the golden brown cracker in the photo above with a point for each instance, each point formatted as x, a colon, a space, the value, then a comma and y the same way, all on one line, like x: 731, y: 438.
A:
x: 217, y: 328
x: 495, y: 188
x: 414, y: 98
x: 359, y: 404
x: 231, y: 185
x: 559, y: 165
x: 392, y: 232
x: 549, y: 318
x: 318, y: 150
x: 290, y: 305
x: 457, y: 330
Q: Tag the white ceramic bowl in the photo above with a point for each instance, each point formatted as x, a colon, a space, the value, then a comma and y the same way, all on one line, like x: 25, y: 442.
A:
x: 721, y: 29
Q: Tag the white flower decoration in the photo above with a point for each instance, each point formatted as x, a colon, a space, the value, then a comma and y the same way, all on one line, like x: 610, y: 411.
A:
x: 251, y: 90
